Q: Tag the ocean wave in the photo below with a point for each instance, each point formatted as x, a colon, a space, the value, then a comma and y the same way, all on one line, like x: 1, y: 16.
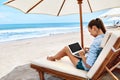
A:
x: 17, y: 34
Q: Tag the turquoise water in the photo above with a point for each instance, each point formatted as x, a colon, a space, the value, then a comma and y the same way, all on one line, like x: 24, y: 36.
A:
x: 10, y: 32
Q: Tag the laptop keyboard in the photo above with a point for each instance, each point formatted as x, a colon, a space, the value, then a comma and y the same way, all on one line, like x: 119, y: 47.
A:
x: 77, y: 54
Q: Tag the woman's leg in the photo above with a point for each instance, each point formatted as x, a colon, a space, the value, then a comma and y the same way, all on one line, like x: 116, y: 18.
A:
x: 64, y: 52
x: 58, y: 56
x: 73, y: 59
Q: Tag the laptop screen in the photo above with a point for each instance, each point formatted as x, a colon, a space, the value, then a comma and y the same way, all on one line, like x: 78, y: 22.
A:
x: 75, y: 47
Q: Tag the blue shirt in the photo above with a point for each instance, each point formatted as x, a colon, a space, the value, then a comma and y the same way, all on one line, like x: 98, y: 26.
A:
x: 94, y: 51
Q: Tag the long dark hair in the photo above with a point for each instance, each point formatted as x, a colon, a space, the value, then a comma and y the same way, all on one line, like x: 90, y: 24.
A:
x: 98, y: 23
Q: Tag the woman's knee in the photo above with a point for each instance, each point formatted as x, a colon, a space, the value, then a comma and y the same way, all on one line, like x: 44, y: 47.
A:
x: 65, y: 48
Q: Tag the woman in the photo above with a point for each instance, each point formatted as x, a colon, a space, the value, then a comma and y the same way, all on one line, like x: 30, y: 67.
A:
x: 97, y: 30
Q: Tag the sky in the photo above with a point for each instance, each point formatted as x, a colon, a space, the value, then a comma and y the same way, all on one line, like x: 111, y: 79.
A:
x: 9, y: 15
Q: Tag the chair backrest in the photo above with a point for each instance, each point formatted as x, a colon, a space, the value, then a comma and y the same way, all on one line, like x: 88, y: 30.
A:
x: 101, y: 58
x: 105, y: 39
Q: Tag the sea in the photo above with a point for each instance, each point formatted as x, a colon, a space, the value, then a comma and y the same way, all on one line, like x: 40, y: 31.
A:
x: 10, y: 32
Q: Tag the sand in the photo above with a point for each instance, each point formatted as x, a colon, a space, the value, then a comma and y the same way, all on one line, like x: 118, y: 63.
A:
x: 21, y: 52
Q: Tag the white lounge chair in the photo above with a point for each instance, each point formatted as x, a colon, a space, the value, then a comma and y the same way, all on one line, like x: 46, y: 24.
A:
x: 65, y: 69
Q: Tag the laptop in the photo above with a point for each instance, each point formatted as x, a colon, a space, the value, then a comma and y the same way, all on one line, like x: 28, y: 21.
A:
x: 75, y: 49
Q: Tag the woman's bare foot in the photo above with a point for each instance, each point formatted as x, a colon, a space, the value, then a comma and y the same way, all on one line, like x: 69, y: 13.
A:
x: 51, y: 58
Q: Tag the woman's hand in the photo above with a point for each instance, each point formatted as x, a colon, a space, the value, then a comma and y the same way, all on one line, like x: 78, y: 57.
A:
x: 86, y: 49
x: 82, y: 53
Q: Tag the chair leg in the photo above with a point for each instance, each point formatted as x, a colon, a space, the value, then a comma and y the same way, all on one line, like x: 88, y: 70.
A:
x: 109, y: 71
x: 41, y: 74
x: 115, y: 66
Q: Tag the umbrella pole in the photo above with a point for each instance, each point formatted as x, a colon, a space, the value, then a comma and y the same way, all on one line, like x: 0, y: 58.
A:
x: 81, y: 24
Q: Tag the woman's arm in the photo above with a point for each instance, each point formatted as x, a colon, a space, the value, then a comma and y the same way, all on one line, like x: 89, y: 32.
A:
x: 82, y: 54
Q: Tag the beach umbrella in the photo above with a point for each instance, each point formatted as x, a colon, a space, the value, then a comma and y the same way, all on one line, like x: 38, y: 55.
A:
x: 63, y: 7
x: 116, y: 21
x: 115, y: 12
x: 114, y: 18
